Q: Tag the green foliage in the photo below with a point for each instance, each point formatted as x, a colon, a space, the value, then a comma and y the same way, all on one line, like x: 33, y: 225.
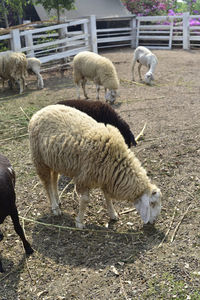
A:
x: 57, y: 4
x: 193, y: 6
x: 3, y: 46
x: 14, y: 7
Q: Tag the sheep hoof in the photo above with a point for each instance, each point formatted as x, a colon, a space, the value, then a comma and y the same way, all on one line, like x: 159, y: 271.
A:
x: 29, y: 250
x: 114, y: 217
x: 79, y: 224
x: 56, y: 211
x: 1, y: 269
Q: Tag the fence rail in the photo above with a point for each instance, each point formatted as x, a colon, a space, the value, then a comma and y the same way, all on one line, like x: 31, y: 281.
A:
x: 63, y: 40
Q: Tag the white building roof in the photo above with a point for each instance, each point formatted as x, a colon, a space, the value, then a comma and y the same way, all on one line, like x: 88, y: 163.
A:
x: 99, y: 8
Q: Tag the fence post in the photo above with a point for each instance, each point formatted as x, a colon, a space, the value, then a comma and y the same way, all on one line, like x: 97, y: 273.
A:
x: 93, y: 34
x: 29, y: 43
x: 133, y: 31
x: 63, y: 33
x: 15, y: 40
x: 186, y: 31
x: 85, y: 30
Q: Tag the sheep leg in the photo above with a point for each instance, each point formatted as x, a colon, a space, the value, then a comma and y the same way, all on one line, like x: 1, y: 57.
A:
x: 40, y: 82
x: 19, y: 231
x: 139, y: 71
x: 54, y: 185
x: 84, y: 200
x: 24, y: 83
x: 97, y: 91
x: 3, y: 82
x: 78, y: 91
x: 44, y: 173
x: 1, y: 268
x: 21, y: 85
x: 83, y: 84
x: 132, y: 69
x: 111, y: 211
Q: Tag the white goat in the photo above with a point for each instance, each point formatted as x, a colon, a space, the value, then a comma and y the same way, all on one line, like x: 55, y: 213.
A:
x: 145, y: 57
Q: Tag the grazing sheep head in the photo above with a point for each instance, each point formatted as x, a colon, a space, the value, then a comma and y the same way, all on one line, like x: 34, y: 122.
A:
x: 149, y: 205
x: 148, y: 77
x: 111, y: 96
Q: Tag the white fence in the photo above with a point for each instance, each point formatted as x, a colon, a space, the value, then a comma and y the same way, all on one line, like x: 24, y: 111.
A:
x: 55, y: 42
x: 65, y: 40
x: 163, y: 32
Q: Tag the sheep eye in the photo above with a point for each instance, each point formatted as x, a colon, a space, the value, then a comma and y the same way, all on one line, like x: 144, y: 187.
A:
x: 154, y: 193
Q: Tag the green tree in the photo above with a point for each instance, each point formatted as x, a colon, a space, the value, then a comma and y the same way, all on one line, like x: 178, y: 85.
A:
x: 4, y: 13
x: 59, y: 5
x: 15, y: 6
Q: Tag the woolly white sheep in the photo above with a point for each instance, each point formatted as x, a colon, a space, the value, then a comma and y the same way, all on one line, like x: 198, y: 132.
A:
x: 100, y: 70
x: 13, y: 67
x: 67, y: 141
x: 103, y: 113
x: 34, y: 65
x: 145, y: 57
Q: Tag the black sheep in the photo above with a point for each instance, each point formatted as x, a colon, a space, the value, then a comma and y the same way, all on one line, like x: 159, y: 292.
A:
x: 7, y: 201
x: 104, y: 113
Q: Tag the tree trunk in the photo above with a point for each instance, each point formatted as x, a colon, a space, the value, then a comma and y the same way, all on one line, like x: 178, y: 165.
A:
x: 58, y: 13
x: 5, y: 14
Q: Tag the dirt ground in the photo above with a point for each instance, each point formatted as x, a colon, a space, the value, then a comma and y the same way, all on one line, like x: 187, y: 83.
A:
x: 124, y: 260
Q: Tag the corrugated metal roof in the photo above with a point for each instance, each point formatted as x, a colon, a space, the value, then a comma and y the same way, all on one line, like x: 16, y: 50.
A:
x: 99, y: 8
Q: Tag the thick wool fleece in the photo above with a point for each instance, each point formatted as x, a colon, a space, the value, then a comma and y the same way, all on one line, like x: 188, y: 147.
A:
x: 70, y: 142
x: 95, y: 68
x: 13, y: 66
x: 104, y: 113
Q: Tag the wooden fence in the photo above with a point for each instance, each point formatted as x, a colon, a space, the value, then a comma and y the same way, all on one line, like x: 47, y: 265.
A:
x: 65, y: 40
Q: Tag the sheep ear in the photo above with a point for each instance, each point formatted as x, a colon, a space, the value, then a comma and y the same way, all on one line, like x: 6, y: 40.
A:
x: 143, y: 208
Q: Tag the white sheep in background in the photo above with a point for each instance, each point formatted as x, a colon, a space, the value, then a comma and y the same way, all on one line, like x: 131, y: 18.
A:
x: 34, y: 65
x: 145, y: 57
x: 13, y: 67
x: 100, y: 70
x: 67, y: 141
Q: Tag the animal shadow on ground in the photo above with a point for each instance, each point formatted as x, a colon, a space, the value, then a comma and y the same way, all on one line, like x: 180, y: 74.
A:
x: 55, y: 82
x: 93, y: 247
x: 10, y: 279
x: 10, y: 95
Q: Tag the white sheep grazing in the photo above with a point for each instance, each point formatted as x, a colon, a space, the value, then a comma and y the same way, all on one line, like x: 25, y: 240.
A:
x: 100, y: 70
x: 145, y: 57
x: 67, y: 141
x: 34, y: 65
x: 13, y: 67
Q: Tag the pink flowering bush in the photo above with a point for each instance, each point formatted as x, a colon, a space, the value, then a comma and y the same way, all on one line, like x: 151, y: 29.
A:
x: 148, y: 7
x: 164, y: 7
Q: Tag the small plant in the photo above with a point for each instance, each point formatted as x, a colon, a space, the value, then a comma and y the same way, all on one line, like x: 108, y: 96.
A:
x: 168, y: 287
